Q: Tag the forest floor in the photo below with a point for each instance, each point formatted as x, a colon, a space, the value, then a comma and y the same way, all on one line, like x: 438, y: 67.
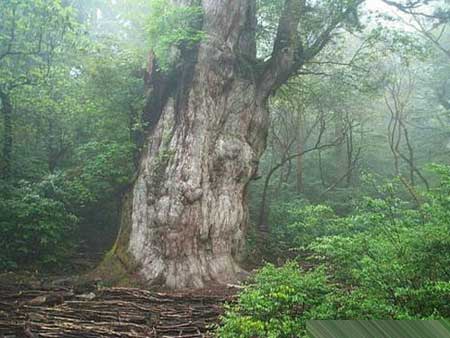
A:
x: 55, y: 305
x: 58, y: 309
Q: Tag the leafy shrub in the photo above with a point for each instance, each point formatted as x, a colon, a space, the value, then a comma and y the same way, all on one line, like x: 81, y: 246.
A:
x: 39, y: 221
x: 295, y: 225
x: 276, y: 304
x: 103, y: 170
x: 35, y: 227
x: 388, y: 260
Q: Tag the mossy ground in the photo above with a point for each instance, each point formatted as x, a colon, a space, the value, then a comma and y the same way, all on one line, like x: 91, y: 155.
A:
x: 118, y: 267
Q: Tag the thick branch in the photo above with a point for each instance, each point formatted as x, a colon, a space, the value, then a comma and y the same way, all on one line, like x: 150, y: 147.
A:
x: 289, y: 52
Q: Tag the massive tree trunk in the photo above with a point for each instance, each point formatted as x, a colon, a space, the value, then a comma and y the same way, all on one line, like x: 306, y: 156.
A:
x: 184, y: 221
x: 187, y: 213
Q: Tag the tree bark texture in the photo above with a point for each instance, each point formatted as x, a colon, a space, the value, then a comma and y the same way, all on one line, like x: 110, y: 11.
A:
x: 188, y: 210
x: 184, y: 221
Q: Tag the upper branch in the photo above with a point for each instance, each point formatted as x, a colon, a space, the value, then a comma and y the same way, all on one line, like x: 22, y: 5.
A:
x: 287, y: 48
x: 290, y: 53
x: 413, y: 8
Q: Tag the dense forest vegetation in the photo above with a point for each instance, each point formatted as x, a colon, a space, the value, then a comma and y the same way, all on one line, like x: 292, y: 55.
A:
x: 349, y: 208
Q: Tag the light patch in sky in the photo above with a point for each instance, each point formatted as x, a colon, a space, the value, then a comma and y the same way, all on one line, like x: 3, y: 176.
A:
x: 99, y: 14
x: 378, y: 7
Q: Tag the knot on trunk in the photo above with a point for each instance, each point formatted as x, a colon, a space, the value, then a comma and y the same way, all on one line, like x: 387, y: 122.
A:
x: 193, y: 195
x: 229, y: 148
x: 234, y: 157
x: 168, y: 211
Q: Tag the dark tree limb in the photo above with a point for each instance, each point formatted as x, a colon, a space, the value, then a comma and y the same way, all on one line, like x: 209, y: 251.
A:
x: 264, y: 209
x: 290, y: 53
x: 351, y: 167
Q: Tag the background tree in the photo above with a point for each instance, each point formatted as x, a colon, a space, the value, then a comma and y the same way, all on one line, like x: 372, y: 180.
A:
x: 76, y: 126
x: 32, y: 34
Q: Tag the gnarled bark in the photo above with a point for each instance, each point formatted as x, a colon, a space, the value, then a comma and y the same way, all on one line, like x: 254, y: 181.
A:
x: 188, y: 211
x: 185, y: 218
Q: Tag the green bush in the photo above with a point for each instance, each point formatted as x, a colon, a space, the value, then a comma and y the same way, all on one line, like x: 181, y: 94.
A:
x: 35, y: 227
x: 104, y: 169
x: 295, y: 225
x: 39, y: 221
x: 276, y: 304
x: 388, y: 260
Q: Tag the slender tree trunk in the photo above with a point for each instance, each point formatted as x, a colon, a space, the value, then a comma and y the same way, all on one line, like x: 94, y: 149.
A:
x: 340, y: 151
x: 7, y: 112
x: 263, y: 218
x: 185, y: 219
x: 321, y: 171
x: 300, y: 149
x: 349, y: 154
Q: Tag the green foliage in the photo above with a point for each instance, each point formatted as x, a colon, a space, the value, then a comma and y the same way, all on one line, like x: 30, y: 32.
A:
x: 276, y: 304
x: 387, y: 260
x: 76, y: 124
x: 392, y: 243
x: 32, y: 34
x: 171, y: 28
x: 296, y: 224
x: 35, y: 227
x: 106, y: 169
x: 38, y: 220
